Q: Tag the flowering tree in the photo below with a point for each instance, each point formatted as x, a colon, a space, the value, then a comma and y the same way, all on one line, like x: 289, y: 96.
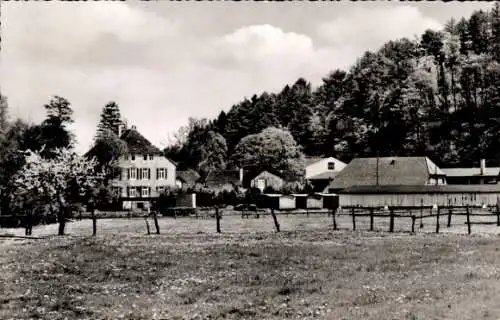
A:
x: 55, y: 183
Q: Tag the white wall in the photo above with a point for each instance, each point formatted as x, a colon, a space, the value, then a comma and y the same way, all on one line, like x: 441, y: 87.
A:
x: 322, y: 166
x: 139, y: 162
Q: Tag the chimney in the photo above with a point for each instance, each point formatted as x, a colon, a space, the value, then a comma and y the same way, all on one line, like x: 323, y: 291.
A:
x: 483, y: 166
x: 241, y: 175
x: 134, y: 127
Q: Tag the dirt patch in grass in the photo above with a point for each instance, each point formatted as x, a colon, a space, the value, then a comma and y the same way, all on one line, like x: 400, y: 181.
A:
x: 294, y: 274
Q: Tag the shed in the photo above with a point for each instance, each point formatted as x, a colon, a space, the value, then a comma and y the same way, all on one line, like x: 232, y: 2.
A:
x: 300, y: 201
x: 280, y: 201
x: 315, y: 201
x: 330, y: 200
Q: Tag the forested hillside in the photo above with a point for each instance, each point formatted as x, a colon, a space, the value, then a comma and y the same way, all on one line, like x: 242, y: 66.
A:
x: 438, y: 95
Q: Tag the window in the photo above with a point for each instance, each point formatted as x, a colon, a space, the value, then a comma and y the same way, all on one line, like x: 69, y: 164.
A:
x: 161, y: 174
x: 261, y: 184
x: 132, y: 174
x: 145, y: 157
x: 145, y: 191
x: 132, y: 157
x: 331, y: 165
x: 151, y: 157
x: 145, y: 174
x: 132, y: 192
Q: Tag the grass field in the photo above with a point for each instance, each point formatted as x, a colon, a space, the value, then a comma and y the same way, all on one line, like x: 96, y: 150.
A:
x: 249, y: 272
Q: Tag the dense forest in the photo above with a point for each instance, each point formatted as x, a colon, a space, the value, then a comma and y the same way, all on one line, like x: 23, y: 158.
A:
x: 438, y: 96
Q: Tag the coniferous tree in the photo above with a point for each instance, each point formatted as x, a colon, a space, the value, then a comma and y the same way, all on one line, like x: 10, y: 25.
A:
x: 110, y: 119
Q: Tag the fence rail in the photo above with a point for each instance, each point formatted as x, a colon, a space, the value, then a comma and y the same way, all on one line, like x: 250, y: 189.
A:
x: 440, y: 217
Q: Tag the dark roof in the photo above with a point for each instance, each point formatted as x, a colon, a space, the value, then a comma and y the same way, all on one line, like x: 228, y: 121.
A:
x: 219, y: 178
x: 398, y: 189
x: 471, y: 172
x: 327, y: 175
x: 391, y: 171
x: 190, y: 177
x: 136, y: 142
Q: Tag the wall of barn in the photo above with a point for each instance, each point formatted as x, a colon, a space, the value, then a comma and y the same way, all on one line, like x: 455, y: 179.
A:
x: 415, y: 200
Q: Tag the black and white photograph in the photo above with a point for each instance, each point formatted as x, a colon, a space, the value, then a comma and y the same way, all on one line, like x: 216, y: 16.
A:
x: 203, y: 160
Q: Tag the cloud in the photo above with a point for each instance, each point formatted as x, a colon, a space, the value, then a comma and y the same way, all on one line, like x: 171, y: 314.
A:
x: 370, y: 28
x: 159, y: 70
x: 58, y: 33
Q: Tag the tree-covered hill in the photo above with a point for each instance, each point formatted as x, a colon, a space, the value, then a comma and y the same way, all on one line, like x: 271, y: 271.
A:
x: 438, y: 95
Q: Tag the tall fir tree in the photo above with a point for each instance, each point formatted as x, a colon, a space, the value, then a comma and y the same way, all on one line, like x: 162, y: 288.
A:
x: 110, y: 119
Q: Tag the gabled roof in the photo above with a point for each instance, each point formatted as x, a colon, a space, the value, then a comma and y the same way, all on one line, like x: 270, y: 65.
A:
x: 391, y: 171
x: 327, y: 175
x: 189, y: 177
x: 219, y: 178
x: 471, y: 172
x: 137, y: 143
x: 313, y: 160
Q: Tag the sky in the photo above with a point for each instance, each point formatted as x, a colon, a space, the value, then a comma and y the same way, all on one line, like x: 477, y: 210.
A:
x: 164, y: 61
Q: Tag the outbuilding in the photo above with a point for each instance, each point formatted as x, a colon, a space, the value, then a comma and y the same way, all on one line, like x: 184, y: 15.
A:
x: 417, y: 196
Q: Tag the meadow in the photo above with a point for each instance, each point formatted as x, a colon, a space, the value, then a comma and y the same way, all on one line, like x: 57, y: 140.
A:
x: 249, y: 271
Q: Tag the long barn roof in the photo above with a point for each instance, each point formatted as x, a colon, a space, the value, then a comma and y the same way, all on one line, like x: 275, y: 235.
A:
x: 391, y: 171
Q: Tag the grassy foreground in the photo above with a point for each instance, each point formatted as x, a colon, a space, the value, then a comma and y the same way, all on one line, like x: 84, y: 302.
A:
x: 124, y: 274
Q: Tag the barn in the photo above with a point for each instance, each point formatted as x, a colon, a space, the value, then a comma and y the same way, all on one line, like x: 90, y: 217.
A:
x: 408, y: 171
x: 419, y: 195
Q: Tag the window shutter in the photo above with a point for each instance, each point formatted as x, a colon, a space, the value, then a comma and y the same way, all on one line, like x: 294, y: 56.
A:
x: 149, y: 191
x: 128, y: 192
x: 149, y: 173
x: 139, y: 175
x: 157, y: 173
x: 128, y: 174
x: 165, y: 169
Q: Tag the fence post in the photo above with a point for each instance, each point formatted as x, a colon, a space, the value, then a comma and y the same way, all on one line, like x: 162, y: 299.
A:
x: 371, y: 219
x: 449, y: 217
x: 437, y: 219
x: 498, y: 213
x: 94, y: 223
x: 157, y: 225
x: 391, y: 220
x: 147, y: 225
x: 421, y: 213
x: 276, y: 224
x: 217, y: 217
x: 468, y: 219
x: 353, y: 219
x: 334, y: 219
x: 413, y: 218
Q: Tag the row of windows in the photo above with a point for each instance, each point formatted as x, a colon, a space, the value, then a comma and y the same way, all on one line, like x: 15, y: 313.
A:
x: 142, y: 191
x: 145, y: 174
x: 145, y: 157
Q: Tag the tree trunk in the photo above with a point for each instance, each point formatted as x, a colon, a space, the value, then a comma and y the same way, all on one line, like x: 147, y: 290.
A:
x: 62, y: 224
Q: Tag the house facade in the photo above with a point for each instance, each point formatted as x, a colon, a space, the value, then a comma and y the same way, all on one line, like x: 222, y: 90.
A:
x: 321, y: 171
x: 322, y: 166
x: 144, y: 172
x: 266, y: 179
